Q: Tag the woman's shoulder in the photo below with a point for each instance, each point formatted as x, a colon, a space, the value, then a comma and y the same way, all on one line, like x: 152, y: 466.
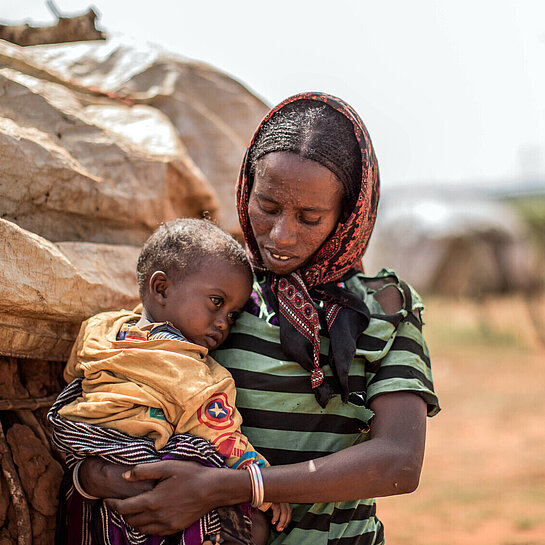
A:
x: 393, y: 344
x: 385, y: 293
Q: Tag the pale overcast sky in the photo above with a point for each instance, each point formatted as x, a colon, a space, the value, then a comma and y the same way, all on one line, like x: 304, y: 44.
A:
x: 450, y: 90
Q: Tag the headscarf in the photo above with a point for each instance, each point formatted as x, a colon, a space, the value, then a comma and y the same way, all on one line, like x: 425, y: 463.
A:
x: 319, y: 279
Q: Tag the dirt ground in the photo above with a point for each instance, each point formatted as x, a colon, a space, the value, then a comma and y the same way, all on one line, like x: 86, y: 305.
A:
x: 483, y: 480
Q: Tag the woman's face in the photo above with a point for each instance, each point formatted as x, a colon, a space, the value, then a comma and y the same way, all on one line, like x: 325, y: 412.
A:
x: 294, y: 206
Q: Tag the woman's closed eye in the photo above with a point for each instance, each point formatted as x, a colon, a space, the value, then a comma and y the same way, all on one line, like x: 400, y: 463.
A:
x: 268, y: 208
x: 310, y: 220
x: 307, y: 219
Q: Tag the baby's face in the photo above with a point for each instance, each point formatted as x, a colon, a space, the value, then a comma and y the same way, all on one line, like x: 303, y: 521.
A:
x: 205, y: 304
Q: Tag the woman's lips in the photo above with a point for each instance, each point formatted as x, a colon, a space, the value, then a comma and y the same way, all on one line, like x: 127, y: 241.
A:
x: 278, y: 256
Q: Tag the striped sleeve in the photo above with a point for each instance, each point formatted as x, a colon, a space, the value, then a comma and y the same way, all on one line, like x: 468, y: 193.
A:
x: 401, y: 359
x: 406, y: 367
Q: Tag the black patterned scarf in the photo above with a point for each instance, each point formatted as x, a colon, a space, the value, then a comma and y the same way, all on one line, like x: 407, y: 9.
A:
x: 346, y: 316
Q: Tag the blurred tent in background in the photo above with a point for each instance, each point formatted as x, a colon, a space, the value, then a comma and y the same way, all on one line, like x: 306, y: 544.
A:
x: 461, y: 242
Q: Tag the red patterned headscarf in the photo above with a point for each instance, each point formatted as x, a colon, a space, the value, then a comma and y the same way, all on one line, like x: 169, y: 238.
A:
x: 318, y: 279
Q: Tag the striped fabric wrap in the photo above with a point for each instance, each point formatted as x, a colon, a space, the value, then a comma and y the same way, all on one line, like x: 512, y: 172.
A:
x: 284, y: 421
x: 79, y: 440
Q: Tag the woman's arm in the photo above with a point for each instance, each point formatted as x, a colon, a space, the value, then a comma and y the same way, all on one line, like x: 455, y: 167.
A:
x: 388, y: 464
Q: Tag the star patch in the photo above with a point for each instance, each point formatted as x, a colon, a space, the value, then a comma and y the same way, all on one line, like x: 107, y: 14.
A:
x: 217, y: 413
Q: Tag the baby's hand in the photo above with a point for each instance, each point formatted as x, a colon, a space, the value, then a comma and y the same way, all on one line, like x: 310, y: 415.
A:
x: 281, y: 515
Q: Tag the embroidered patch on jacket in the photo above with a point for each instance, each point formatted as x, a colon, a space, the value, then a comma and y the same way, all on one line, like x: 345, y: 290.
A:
x: 217, y: 413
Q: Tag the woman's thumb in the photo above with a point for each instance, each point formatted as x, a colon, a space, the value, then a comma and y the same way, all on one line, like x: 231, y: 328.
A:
x: 144, y: 472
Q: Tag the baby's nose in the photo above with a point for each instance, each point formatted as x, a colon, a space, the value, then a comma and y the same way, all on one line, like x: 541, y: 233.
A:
x: 221, y: 323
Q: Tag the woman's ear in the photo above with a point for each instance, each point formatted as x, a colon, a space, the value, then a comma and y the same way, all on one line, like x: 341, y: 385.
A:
x: 158, y: 284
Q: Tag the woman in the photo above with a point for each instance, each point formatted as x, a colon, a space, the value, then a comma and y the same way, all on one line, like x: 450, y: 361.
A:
x: 332, y: 372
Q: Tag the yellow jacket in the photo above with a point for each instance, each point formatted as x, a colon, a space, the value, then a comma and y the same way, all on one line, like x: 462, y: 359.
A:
x: 154, y: 388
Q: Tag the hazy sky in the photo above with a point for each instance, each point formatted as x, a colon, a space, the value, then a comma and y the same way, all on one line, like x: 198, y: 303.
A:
x: 450, y: 90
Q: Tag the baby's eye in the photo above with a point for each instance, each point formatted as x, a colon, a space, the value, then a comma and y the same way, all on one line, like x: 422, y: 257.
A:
x: 232, y: 317
x: 216, y: 301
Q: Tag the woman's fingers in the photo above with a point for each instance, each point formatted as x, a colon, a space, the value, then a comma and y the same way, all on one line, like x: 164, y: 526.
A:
x: 155, y: 471
x: 159, y: 471
x: 104, y: 479
x: 172, y: 505
x: 152, y: 529
x: 127, y: 506
x: 139, y: 513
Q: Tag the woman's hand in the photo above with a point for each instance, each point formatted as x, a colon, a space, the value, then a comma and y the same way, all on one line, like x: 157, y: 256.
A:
x: 105, y: 480
x: 185, y: 491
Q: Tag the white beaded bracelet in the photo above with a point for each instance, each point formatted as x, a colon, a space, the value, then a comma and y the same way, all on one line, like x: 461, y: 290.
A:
x: 258, y: 490
x: 77, y: 484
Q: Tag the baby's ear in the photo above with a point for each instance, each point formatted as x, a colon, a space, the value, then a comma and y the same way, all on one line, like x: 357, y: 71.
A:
x: 158, y: 284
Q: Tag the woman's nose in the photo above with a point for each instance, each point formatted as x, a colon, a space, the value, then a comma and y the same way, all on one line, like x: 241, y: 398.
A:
x: 283, y: 233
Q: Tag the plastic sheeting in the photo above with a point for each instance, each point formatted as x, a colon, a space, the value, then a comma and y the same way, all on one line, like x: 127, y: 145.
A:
x: 100, y: 142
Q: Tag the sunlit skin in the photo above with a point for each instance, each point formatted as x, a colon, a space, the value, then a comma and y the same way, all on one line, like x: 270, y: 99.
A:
x: 204, y: 304
x: 294, y: 206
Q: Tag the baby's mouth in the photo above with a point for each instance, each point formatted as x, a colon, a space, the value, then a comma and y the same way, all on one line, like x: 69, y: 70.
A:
x: 213, y: 340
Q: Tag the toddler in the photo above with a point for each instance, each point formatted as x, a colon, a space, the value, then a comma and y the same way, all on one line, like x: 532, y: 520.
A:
x: 150, y: 374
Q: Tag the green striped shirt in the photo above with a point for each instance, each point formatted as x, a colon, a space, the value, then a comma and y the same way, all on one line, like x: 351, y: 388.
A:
x: 284, y: 422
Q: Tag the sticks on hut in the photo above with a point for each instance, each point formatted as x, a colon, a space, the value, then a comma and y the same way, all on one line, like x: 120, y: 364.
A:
x: 20, y: 505
x: 67, y: 29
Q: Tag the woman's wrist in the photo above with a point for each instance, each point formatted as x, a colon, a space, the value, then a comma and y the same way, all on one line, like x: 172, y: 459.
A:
x: 231, y: 487
x: 256, y: 479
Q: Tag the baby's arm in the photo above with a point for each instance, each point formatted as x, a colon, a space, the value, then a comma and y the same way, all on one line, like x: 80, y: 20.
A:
x: 123, y: 406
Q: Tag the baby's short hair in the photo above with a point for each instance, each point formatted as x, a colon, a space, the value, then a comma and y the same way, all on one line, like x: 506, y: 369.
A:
x: 179, y: 247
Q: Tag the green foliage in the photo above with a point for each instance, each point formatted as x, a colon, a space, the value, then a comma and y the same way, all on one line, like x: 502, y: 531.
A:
x: 532, y: 210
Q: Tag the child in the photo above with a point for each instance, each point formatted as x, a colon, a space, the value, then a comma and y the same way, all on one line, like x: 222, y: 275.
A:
x: 151, y: 375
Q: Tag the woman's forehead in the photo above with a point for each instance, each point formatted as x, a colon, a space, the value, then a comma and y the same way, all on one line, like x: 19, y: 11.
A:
x: 285, y: 177
x: 286, y: 165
